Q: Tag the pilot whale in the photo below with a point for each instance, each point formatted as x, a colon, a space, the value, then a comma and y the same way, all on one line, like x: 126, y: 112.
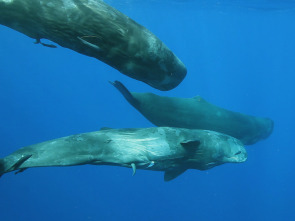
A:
x: 172, y: 150
x: 95, y: 29
x: 197, y: 113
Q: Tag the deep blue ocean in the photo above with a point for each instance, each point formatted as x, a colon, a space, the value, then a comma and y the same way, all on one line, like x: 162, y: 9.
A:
x: 240, y: 55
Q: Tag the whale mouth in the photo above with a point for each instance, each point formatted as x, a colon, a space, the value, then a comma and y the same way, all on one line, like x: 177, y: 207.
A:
x: 239, y: 157
x: 169, y: 82
x: 238, y: 152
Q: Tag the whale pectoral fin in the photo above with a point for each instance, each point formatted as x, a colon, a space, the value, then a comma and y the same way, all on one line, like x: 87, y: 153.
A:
x: 133, y: 168
x: 38, y: 41
x: 172, y: 174
x: 49, y: 45
x: 191, y: 146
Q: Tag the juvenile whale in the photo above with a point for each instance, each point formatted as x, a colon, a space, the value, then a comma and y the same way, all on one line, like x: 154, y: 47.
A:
x: 95, y: 29
x: 197, y: 113
x: 172, y: 150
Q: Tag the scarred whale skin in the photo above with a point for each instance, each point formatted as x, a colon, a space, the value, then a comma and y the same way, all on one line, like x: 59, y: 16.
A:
x: 173, y: 150
x: 197, y: 113
x: 93, y: 28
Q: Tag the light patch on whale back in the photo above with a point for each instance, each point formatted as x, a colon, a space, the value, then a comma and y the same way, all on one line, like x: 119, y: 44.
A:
x: 53, y: 142
x: 218, y: 114
x: 154, y: 147
x: 7, y: 1
x: 69, y: 4
x: 94, y: 2
x: 153, y: 44
x: 160, y: 148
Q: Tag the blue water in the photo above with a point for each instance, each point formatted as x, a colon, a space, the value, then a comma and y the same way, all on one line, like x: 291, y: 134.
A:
x: 240, y: 55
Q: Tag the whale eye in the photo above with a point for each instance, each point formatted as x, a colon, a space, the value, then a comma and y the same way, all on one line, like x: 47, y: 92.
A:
x: 238, y: 152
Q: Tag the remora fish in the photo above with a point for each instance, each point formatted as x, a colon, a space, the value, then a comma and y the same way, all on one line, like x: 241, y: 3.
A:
x: 95, y: 29
x: 173, y: 150
x: 197, y: 113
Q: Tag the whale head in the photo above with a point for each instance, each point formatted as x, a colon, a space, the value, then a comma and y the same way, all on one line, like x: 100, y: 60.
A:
x: 234, y: 152
x: 214, y: 150
x: 172, y: 72
x: 227, y: 149
x: 168, y: 73
x: 154, y: 63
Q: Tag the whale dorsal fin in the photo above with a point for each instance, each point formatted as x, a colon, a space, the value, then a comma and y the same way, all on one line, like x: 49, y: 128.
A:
x: 172, y: 174
x: 106, y: 128
x: 198, y: 98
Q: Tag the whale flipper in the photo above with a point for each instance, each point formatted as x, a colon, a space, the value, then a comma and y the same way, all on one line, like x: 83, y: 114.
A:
x: 172, y: 174
x: 49, y: 45
x: 125, y: 92
x: 38, y: 41
x: 133, y: 168
x: 191, y: 146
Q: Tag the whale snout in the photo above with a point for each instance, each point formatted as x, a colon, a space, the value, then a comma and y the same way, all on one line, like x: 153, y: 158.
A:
x: 173, y: 76
x: 242, y: 156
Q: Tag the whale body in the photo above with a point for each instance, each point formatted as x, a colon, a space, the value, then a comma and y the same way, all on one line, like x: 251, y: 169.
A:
x: 172, y: 150
x: 197, y: 113
x: 95, y: 29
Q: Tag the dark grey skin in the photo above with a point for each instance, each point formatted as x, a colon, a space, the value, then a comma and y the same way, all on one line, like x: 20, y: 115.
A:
x: 95, y: 29
x: 172, y: 150
x: 197, y: 113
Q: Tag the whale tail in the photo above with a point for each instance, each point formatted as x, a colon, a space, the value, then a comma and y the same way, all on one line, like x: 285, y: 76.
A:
x: 2, y: 167
x: 125, y: 92
x: 16, y: 166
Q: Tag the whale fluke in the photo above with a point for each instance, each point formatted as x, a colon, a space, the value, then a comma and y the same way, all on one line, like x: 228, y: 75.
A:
x: 125, y: 92
x: 2, y: 167
x: 15, y: 166
x: 20, y: 162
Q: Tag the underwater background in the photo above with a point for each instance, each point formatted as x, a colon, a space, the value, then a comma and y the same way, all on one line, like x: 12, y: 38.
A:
x: 240, y: 55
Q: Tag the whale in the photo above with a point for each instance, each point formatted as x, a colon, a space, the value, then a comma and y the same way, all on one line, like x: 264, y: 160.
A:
x: 197, y: 113
x: 95, y: 29
x: 167, y: 149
